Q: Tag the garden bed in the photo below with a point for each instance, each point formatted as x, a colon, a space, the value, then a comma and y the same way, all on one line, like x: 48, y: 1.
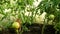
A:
x: 37, y: 29
x: 34, y: 29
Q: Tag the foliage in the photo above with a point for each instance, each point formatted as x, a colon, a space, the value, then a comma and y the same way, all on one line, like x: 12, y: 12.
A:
x: 51, y: 7
x: 10, y: 10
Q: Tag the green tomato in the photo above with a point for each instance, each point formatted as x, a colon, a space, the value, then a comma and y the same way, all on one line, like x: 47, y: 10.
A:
x: 51, y: 16
x: 15, y: 25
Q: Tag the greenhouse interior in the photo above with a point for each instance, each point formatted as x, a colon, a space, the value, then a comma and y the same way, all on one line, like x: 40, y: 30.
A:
x: 29, y: 16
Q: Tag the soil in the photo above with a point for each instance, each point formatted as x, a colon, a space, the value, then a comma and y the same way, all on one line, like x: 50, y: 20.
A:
x: 35, y: 29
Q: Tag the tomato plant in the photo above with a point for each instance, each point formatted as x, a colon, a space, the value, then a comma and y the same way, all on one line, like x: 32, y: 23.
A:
x: 25, y: 11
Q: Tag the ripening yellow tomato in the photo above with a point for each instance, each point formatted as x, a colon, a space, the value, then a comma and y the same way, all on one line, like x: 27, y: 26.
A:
x: 15, y: 25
